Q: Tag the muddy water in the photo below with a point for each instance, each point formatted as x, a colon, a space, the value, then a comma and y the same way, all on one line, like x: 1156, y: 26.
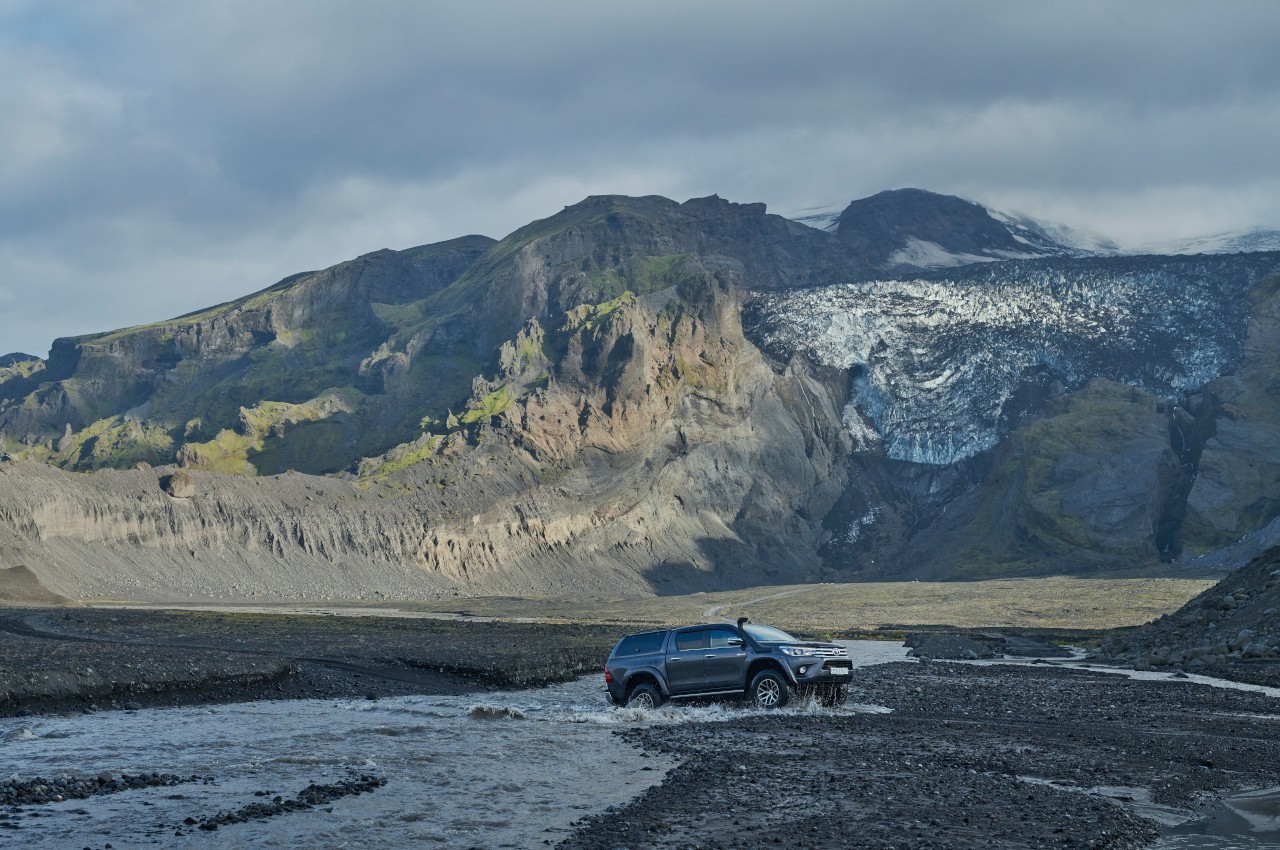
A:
x: 510, y: 769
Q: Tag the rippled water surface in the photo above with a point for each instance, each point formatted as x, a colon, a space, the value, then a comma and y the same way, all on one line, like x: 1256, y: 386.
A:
x: 508, y: 769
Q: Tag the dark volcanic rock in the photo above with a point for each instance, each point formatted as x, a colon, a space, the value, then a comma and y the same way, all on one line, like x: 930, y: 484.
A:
x: 89, y: 659
x: 1232, y: 629
x: 310, y: 797
x: 969, y: 757
x: 947, y: 646
x: 1236, y: 488
x: 179, y: 484
x: 39, y: 790
x: 912, y: 228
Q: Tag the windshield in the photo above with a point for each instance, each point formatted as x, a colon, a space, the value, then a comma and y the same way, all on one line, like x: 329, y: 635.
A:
x: 768, y: 634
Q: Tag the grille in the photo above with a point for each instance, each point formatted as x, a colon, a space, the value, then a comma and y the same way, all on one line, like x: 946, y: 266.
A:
x: 832, y: 652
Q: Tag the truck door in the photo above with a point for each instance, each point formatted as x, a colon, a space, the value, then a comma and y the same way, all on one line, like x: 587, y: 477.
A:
x: 726, y: 665
x: 686, y: 660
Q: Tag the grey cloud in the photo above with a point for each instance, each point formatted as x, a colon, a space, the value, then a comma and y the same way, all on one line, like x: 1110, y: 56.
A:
x: 160, y: 157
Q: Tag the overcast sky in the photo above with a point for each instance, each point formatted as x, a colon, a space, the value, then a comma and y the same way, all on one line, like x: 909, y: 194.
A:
x: 159, y: 157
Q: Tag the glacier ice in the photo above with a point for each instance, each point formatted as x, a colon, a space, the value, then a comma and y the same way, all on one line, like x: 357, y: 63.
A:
x: 934, y: 360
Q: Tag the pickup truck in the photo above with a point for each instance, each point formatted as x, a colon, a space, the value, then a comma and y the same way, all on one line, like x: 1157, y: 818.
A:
x: 759, y: 663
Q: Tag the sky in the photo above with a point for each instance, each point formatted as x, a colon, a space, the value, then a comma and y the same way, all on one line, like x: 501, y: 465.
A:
x: 160, y: 157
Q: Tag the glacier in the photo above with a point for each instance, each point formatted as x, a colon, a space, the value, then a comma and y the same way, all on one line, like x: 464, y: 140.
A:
x: 934, y: 360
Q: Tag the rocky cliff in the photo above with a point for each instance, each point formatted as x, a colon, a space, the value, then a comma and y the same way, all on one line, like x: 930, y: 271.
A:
x: 624, y: 436
x: 1052, y: 414
x: 303, y: 375
x: 640, y: 395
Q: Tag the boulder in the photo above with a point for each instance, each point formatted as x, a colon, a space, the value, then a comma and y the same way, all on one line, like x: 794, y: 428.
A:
x: 179, y: 485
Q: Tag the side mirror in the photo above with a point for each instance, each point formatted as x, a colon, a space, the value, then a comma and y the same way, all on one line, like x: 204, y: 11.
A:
x: 736, y: 642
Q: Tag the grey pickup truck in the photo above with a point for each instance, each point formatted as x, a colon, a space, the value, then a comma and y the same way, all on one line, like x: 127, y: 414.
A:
x: 761, y: 664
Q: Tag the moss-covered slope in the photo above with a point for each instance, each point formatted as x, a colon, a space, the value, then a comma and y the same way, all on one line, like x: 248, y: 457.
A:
x: 327, y: 368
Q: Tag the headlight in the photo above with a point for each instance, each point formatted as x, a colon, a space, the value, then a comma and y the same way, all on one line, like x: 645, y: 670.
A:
x: 796, y: 650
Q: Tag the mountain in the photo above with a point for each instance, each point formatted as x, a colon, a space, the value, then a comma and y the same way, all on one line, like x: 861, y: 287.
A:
x: 639, y: 395
x: 910, y: 229
x: 326, y: 368
x: 905, y: 230
x: 319, y: 356
x: 1072, y: 411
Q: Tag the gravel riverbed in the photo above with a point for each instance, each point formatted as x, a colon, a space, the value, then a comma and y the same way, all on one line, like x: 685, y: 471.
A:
x: 968, y: 757
x: 926, y: 755
x: 85, y: 659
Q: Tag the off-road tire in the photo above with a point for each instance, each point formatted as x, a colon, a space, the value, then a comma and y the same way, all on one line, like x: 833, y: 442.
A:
x: 644, y: 696
x: 769, y: 690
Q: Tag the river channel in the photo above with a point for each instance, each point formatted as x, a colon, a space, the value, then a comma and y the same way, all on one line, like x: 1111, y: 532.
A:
x: 504, y: 769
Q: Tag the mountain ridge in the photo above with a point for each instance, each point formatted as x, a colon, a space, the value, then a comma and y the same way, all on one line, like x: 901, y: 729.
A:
x: 606, y: 396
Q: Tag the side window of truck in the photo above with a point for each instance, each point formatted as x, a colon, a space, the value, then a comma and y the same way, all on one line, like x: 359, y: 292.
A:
x: 720, y: 638
x: 691, y: 640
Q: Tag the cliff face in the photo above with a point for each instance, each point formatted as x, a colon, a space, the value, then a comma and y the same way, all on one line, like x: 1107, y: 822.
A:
x: 1059, y: 414
x: 217, y: 382
x: 641, y: 443
x: 636, y: 394
x: 1237, y: 488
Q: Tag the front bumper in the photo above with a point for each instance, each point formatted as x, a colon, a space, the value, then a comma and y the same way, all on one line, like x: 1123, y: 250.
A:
x: 808, y: 670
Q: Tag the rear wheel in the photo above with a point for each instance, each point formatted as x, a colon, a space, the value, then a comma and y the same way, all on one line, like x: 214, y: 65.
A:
x: 769, y: 690
x: 644, y: 696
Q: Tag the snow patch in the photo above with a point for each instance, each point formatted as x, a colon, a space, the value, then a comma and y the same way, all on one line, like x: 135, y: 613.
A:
x: 822, y: 217
x: 854, y: 532
x: 923, y: 254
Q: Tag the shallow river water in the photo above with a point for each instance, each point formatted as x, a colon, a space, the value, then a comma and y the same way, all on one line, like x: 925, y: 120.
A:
x: 506, y: 769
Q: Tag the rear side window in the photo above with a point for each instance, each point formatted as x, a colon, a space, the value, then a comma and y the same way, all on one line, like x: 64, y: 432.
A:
x: 691, y: 640
x: 640, y: 644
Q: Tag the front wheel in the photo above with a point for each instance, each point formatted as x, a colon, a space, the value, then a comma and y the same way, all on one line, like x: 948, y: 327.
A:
x: 769, y: 690
x: 644, y: 696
